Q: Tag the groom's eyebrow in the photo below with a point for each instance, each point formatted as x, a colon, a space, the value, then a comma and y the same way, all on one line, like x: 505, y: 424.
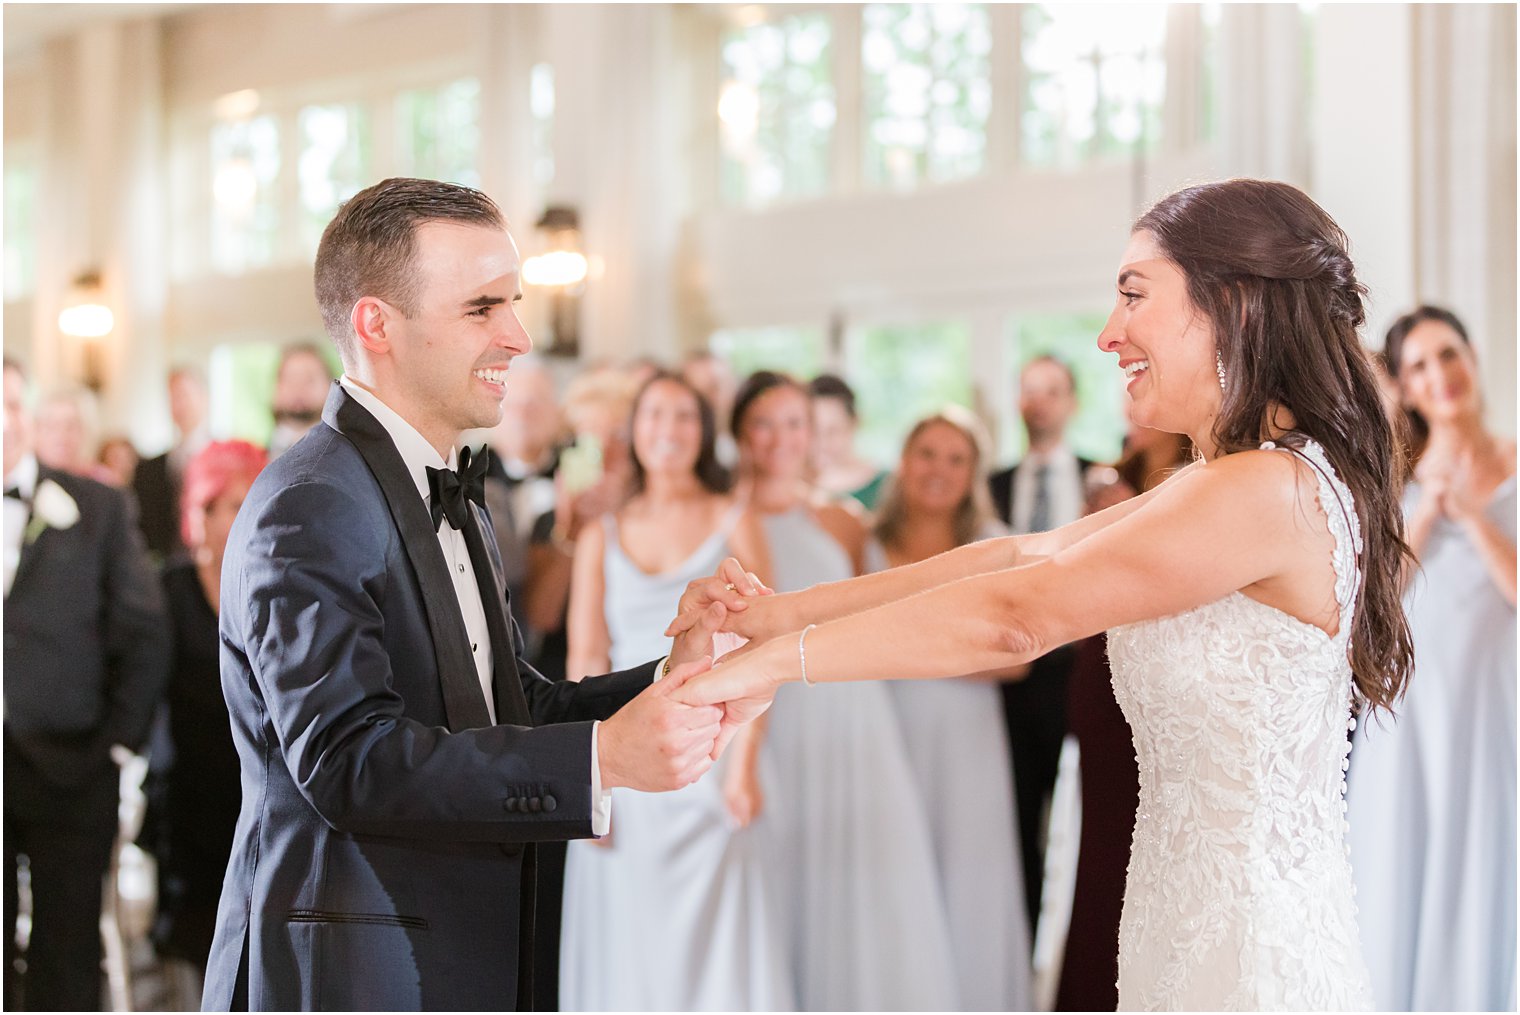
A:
x: 484, y: 301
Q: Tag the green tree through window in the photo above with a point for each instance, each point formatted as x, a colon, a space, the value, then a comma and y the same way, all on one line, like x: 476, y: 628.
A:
x: 1094, y: 81
x: 776, y: 110
x: 438, y: 132
x: 927, y: 91
x: 336, y: 156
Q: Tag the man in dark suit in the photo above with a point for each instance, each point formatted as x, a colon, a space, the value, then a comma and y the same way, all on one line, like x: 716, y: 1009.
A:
x: 86, y: 656
x: 398, y: 756
x: 156, y: 483
x: 1046, y: 490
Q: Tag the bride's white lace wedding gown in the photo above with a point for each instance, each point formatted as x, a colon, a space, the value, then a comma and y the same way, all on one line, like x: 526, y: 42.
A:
x: 1239, y: 893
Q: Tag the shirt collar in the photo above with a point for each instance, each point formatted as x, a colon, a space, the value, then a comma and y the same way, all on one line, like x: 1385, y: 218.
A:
x: 1057, y: 454
x: 414, y: 449
x: 24, y: 476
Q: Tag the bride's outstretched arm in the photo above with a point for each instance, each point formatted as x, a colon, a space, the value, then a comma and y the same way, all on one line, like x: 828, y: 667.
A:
x: 759, y: 619
x: 1198, y: 538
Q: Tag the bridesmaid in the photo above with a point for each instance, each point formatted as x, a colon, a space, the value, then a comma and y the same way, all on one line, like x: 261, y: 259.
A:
x: 669, y: 912
x: 849, y: 842
x: 1432, y: 795
x: 937, y: 502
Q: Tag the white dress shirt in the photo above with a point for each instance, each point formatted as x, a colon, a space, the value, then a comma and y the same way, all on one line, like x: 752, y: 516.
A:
x: 1063, y: 484
x: 24, y: 478
x: 418, y: 455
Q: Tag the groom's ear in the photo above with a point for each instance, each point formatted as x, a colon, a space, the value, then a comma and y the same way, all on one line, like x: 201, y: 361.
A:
x: 373, y: 320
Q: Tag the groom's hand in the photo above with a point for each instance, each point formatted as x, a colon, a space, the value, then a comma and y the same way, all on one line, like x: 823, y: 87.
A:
x: 657, y: 741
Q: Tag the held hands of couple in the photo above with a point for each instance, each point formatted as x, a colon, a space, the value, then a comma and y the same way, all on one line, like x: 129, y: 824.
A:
x: 738, y: 608
x: 664, y: 738
x: 660, y: 740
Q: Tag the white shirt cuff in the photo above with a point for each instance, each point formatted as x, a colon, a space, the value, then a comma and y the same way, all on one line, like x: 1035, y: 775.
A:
x: 659, y: 670
x: 601, y: 802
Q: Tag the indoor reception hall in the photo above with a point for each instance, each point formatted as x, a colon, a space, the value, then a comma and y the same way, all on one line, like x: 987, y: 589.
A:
x: 759, y: 507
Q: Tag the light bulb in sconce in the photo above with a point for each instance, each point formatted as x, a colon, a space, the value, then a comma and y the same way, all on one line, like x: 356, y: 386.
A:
x: 86, y: 314
x: 87, y: 319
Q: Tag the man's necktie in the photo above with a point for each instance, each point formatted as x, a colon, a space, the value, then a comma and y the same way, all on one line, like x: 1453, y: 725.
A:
x: 450, y: 491
x: 1039, y: 515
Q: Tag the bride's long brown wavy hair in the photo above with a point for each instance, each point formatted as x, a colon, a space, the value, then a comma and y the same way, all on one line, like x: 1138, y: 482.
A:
x: 1269, y: 270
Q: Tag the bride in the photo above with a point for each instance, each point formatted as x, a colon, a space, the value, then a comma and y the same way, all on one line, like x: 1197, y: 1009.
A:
x: 1252, y: 603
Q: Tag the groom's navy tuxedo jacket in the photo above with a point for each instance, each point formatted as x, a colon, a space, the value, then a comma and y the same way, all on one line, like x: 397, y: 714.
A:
x: 381, y: 857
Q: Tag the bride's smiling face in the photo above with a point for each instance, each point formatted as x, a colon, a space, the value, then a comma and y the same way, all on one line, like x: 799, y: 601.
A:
x: 1165, y: 346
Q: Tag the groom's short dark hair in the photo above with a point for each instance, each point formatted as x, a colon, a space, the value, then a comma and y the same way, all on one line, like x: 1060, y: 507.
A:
x: 369, y: 246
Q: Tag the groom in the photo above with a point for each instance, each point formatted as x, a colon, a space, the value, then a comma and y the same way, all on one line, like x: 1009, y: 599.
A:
x: 398, y: 756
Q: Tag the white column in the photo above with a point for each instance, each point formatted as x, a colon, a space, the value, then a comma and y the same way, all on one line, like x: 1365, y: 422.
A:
x: 1260, y: 91
x: 1465, y: 187
x: 621, y: 167
x: 101, y: 205
x: 1363, y: 130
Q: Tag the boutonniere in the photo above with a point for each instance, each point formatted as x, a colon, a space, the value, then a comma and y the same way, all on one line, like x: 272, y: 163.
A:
x: 52, y: 508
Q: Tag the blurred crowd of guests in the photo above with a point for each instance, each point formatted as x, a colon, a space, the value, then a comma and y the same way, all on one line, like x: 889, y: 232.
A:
x: 866, y: 846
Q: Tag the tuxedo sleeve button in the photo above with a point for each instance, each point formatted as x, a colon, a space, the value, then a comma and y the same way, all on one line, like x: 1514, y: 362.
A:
x: 510, y: 803
x: 549, y: 802
x: 535, y: 804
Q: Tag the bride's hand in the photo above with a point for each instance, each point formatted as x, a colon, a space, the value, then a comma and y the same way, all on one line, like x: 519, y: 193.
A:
x: 763, y: 617
x: 732, y: 586
x: 744, y: 683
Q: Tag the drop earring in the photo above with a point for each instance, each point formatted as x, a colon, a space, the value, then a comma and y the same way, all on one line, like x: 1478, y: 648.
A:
x: 1219, y: 366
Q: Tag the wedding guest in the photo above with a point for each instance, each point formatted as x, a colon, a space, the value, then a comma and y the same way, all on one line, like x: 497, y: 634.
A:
x: 120, y: 458
x: 591, y: 479
x: 936, y: 502
x: 840, y: 470
x: 1432, y: 792
x: 85, y: 655
x: 300, y: 390
x: 524, y: 450
x: 671, y: 912
x: 66, y: 423
x: 848, y: 841
x: 201, y: 792
x: 1109, y: 776
x: 157, y: 481
x: 1044, y: 491
x: 711, y: 375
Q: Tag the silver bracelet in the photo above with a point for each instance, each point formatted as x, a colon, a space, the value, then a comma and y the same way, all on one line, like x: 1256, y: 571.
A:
x: 802, y: 653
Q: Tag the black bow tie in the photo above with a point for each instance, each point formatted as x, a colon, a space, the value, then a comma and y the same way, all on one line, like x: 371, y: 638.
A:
x: 452, y: 491
x: 14, y: 493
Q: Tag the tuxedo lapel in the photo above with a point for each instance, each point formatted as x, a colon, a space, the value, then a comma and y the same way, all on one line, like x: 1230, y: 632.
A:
x: 33, y: 551
x: 463, y: 702
x: 511, y: 703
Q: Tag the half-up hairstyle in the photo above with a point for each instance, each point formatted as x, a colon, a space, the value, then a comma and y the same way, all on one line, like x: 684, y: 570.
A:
x: 1268, y: 269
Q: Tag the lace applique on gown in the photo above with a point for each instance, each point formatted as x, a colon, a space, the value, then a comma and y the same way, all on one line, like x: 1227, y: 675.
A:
x: 1239, y: 894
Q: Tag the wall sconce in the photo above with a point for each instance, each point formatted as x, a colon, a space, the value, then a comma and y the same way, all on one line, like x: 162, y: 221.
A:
x: 562, y: 269
x: 86, y: 317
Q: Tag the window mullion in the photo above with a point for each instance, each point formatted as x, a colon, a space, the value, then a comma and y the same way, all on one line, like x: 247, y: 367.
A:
x: 847, y: 140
